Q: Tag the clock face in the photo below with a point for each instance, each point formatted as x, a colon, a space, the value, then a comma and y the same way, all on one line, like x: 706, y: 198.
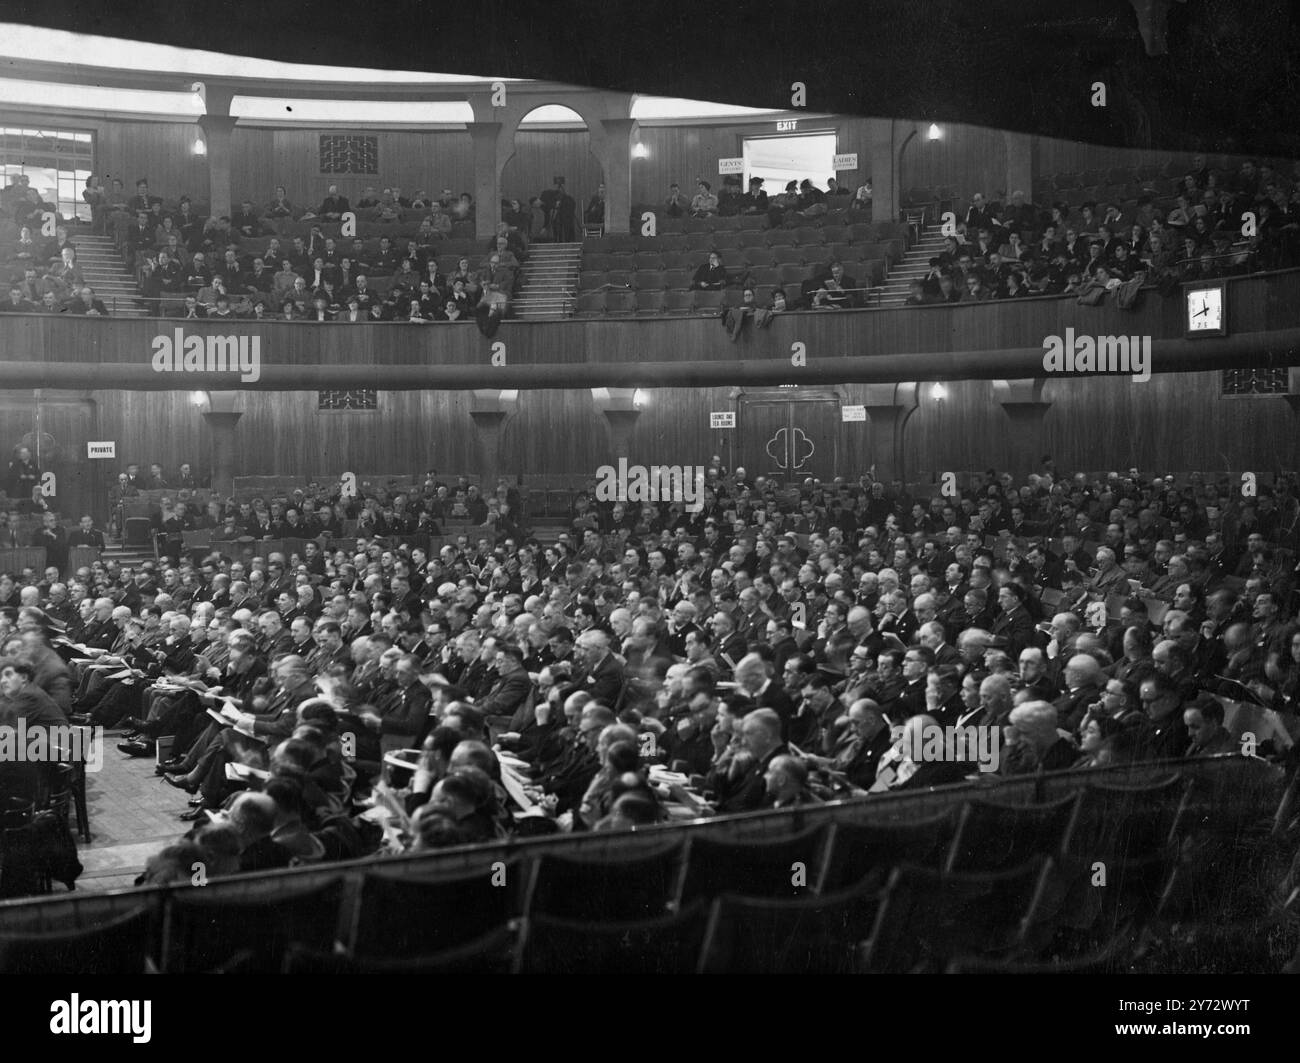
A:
x: 1205, y: 311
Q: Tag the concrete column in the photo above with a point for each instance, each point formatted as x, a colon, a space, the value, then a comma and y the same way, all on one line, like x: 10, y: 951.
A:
x: 1022, y: 401
x: 619, y: 136
x: 888, y: 408
x: 882, y: 164
x: 490, y: 410
x: 1020, y: 165
x: 487, y: 178
x: 217, y: 130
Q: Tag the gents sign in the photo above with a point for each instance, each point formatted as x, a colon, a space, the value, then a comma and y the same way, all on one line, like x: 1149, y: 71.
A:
x: 179, y: 353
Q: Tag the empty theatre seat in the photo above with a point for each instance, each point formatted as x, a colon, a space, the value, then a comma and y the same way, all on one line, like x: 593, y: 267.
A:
x: 734, y: 260
x: 401, y: 916
x: 787, y: 256
x: 650, y: 302
x: 861, y: 851
x: 808, y: 935
x: 617, y: 302
x: 651, y: 280
x: 781, y: 867
x: 667, y: 945
x: 927, y: 918
x: 647, y: 260
x: 677, y: 278
x: 495, y: 952
x: 117, y: 947
x: 760, y: 256
x: 619, y: 278
x: 678, y: 302
x: 637, y: 886
x: 202, y: 931
x: 753, y: 238
x: 723, y: 241
x: 1127, y: 821
x: 992, y: 836
x: 708, y: 300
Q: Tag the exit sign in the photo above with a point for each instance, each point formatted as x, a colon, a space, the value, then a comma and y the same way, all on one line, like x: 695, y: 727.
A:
x: 725, y: 419
x: 787, y: 125
x: 106, y: 449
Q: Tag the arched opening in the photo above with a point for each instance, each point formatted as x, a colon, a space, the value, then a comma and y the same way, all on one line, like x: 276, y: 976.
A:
x: 552, y: 141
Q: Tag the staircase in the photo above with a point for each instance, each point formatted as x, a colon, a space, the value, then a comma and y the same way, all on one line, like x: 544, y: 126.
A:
x: 912, y: 266
x: 548, y: 282
x: 105, y: 271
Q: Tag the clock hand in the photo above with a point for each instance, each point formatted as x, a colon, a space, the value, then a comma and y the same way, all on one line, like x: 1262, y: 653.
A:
x: 1201, y: 312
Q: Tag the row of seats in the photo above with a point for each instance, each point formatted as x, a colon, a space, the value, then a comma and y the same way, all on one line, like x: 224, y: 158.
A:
x: 990, y: 877
x: 867, y: 270
x: 755, y: 237
x: 722, y: 223
x: 741, y: 257
x: 615, y: 304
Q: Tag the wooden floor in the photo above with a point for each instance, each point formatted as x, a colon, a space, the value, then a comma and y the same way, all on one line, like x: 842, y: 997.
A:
x: 133, y: 814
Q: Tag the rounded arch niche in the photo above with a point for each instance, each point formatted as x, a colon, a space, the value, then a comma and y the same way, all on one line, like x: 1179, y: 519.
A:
x: 552, y: 140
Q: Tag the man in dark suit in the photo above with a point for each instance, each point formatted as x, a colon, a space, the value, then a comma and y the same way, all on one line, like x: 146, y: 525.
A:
x: 512, y: 685
x: 1013, y: 628
x: 86, y: 534
x: 1083, y: 681
x: 738, y: 782
x: 600, y: 674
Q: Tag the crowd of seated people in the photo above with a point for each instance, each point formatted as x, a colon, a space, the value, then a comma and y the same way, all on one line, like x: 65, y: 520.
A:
x: 1020, y: 250
x: 783, y: 646
x: 798, y: 204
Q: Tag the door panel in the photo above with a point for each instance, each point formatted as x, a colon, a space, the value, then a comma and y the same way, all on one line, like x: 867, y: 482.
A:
x: 789, y: 438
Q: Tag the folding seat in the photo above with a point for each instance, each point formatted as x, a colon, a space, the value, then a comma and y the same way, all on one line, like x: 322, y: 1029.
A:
x: 698, y: 225
x: 597, y: 245
x: 493, y: 953
x: 732, y: 296
x: 734, y: 259
x: 928, y: 918
x: 648, y: 280
x: 699, y: 243
x: 619, y: 278
x: 116, y: 947
x: 673, y: 259
x: 722, y: 240
x: 678, y: 302
x: 806, y: 935
x: 760, y: 256
x: 600, y: 262
x: 805, y: 236
x: 992, y: 836
x: 647, y: 260
x: 671, y: 242
x: 589, y: 303
x: 638, y: 885
x: 591, y: 279
x: 862, y: 852
x: 1111, y: 958
x: 793, y: 274
x: 671, y: 225
x: 788, y: 255
x: 707, y: 302
x: 871, y: 271
x: 767, y: 276
x: 782, y: 867
x: 778, y: 238
x: 1122, y: 822
x: 204, y: 929
x: 414, y: 916
x: 621, y: 243
x: 667, y: 945
x: 860, y: 232
x: 727, y: 223
x: 845, y: 252
x: 650, y: 302
x: 622, y: 303
x: 677, y: 278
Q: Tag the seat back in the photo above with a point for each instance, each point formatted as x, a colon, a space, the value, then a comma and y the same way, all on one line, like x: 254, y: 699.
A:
x: 869, y: 851
x: 117, y: 947
x: 639, y: 886
x: 492, y: 953
x: 667, y: 945
x: 927, y: 917
x: 200, y: 932
x: 1122, y: 822
x: 992, y: 836
x: 405, y: 916
x: 784, y: 867
x: 808, y: 935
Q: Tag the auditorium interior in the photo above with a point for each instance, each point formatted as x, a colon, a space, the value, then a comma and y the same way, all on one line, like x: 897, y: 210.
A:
x: 344, y: 657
